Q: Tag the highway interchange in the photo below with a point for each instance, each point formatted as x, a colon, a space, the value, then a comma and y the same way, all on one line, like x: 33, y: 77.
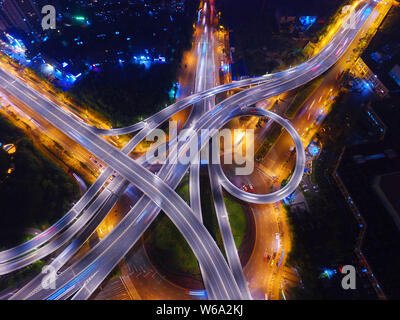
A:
x: 223, y: 280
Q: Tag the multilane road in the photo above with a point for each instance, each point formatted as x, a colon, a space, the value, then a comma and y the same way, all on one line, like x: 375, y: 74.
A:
x: 158, y: 190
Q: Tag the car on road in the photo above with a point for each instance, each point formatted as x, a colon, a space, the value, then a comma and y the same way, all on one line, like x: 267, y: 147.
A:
x: 273, y: 259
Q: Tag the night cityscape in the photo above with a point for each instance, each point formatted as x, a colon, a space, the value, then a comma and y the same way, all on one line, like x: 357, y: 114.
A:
x: 199, y: 150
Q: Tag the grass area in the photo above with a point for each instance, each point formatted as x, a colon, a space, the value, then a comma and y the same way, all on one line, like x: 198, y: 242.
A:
x: 135, y: 100
x: 313, y: 177
x: 28, y: 237
x: 286, y: 181
x: 169, y: 246
x: 237, y: 218
x: 183, y: 189
x: 14, y: 279
x: 115, y: 273
x: 302, y: 95
x: 47, y: 191
x: 209, y: 215
x: 269, y: 141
